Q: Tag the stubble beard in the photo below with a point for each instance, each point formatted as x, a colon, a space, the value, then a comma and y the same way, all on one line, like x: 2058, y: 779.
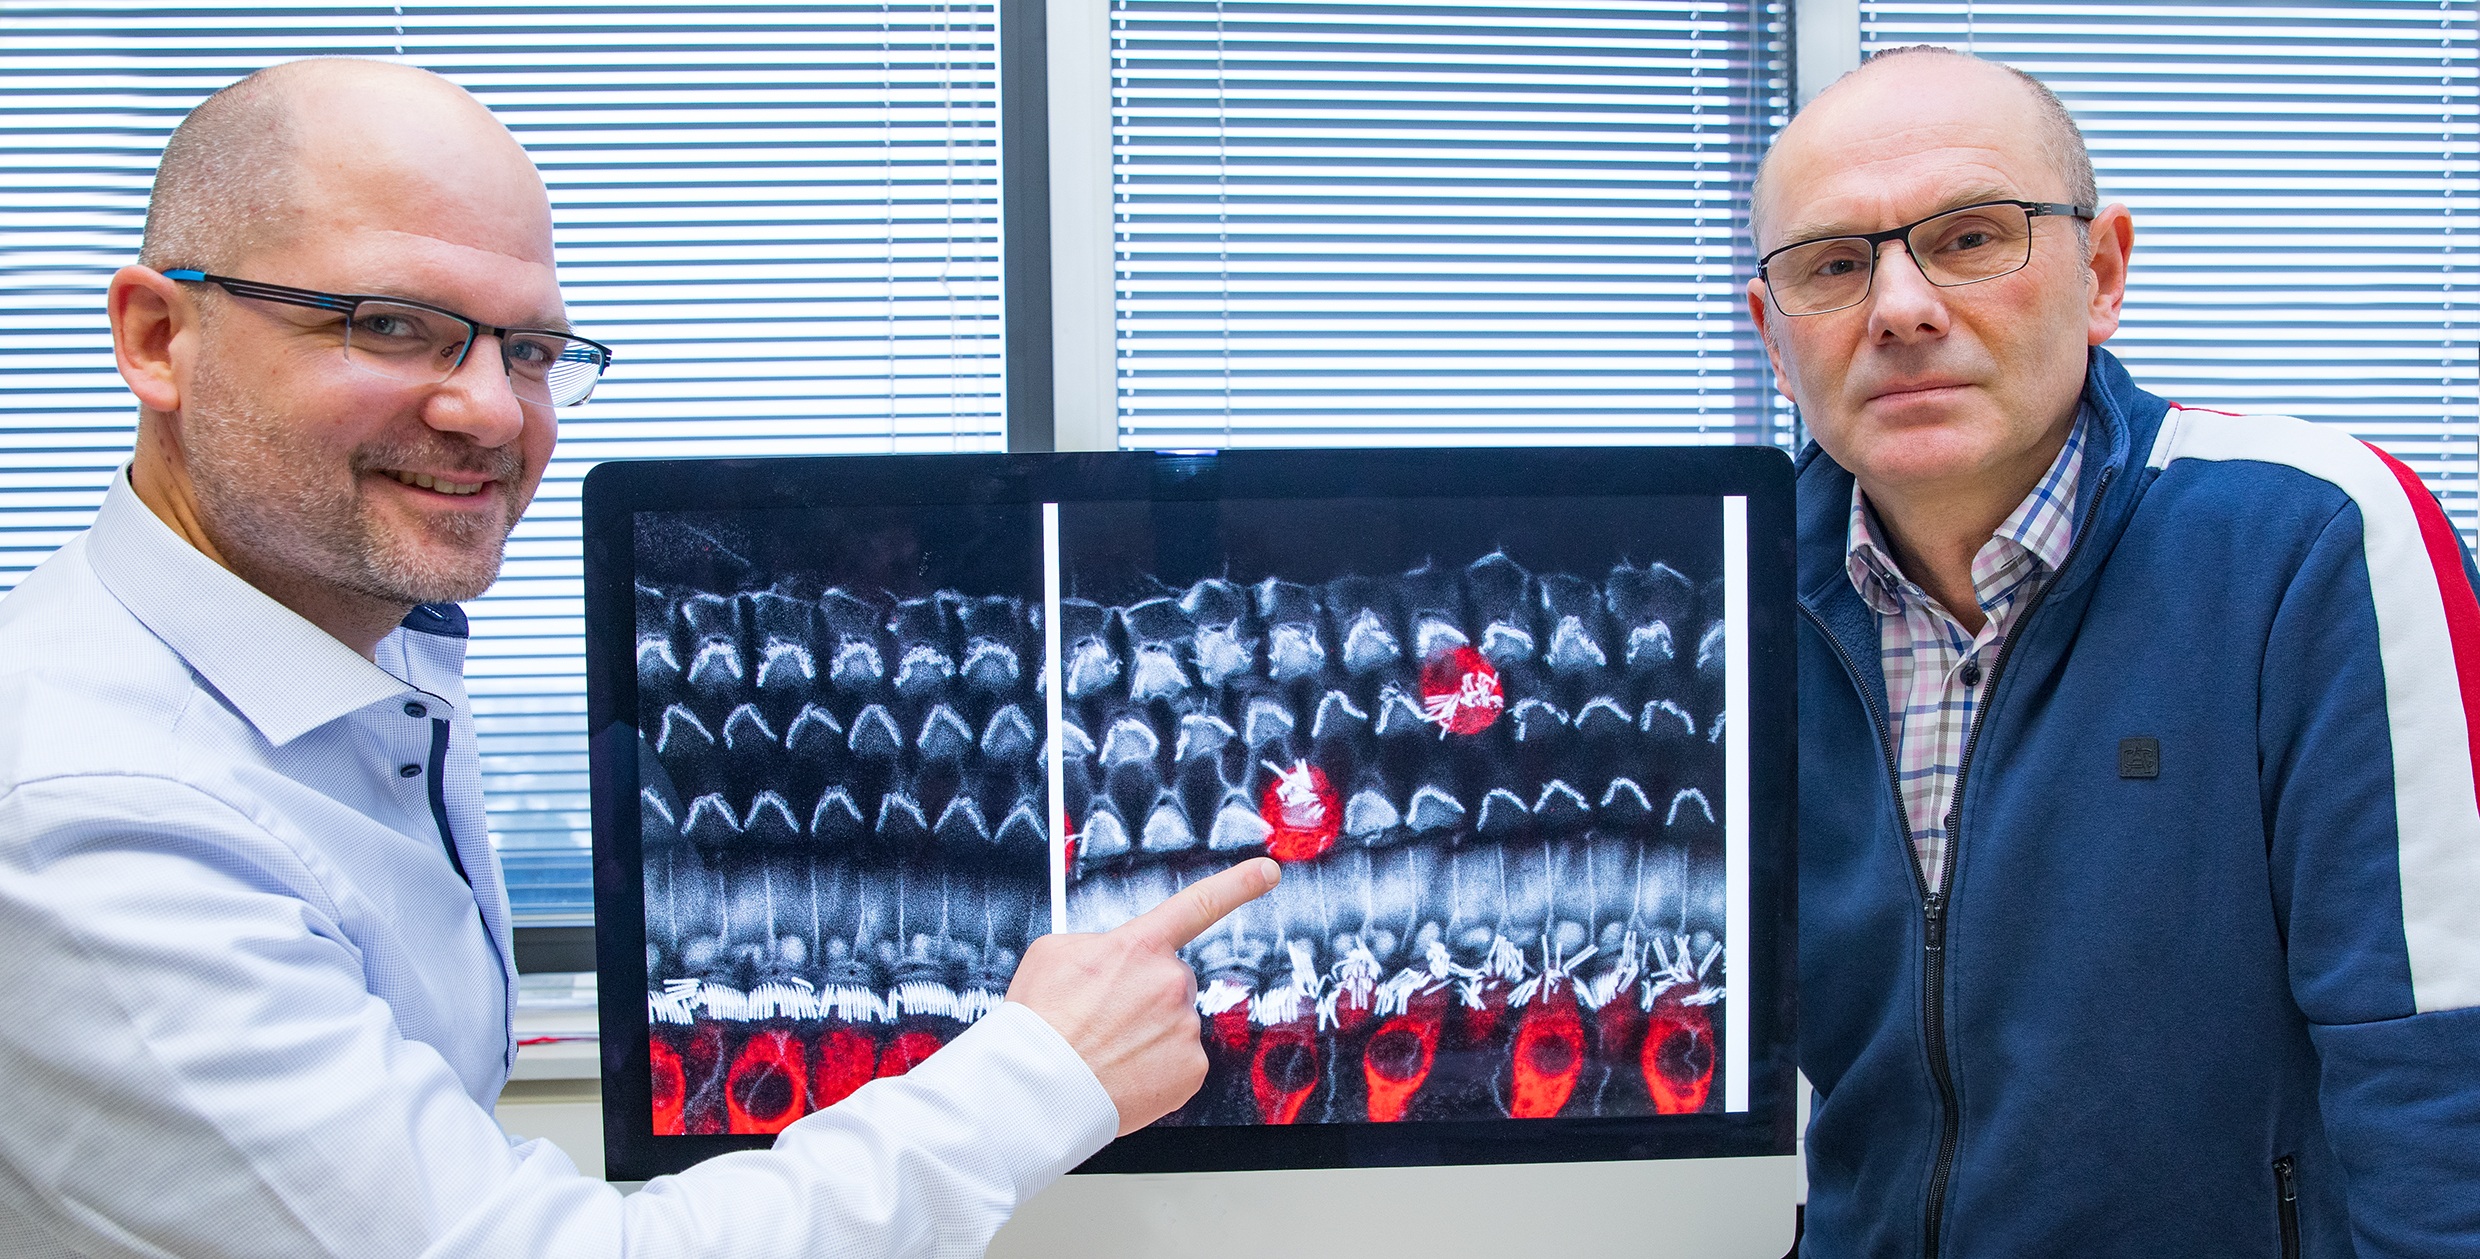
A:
x: 278, y: 511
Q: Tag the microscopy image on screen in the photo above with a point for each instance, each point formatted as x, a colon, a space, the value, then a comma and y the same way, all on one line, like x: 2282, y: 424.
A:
x: 1485, y: 738
x: 843, y: 818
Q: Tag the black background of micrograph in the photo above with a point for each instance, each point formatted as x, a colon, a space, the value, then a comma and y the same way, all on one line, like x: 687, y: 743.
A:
x: 906, y: 550
x: 615, y: 492
x: 1119, y: 553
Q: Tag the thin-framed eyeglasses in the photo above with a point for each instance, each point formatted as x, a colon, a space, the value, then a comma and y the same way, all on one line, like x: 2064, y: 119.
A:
x: 1965, y: 245
x: 424, y: 344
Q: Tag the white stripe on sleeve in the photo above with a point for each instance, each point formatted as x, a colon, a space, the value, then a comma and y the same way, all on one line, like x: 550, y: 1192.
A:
x: 2436, y: 802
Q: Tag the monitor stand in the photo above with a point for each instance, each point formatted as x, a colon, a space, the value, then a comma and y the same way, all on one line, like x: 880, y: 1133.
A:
x: 1712, y: 1208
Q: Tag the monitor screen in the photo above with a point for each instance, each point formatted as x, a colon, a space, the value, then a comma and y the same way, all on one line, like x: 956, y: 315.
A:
x: 1516, y: 722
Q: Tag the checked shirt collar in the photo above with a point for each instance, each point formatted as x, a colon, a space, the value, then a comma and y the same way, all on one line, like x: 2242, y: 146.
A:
x: 1934, y: 668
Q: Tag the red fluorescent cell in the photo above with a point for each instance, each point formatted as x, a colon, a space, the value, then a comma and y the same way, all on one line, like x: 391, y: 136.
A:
x: 907, y: 1051
x: 769, y: 1084
x: 1679, y: 1056
x: 702, y: 1067
x: 1284, y: 1069
x: 1549, y: 1055
x: 1304, y: 811
x: 845, y: 1060
x: 1460, y: 691
x: 1617, y: 1029
x: 670, y: 1090
x: 1231, y: 1029
x: 1397, y: 1061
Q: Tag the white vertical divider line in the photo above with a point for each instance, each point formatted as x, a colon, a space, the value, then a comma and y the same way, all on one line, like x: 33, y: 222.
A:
x: 1739, y: 967
x: 1051, y: 719
x: 1084, y: 297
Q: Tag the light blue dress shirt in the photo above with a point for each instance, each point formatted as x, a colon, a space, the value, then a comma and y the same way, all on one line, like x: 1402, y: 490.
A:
x: 260, y: 971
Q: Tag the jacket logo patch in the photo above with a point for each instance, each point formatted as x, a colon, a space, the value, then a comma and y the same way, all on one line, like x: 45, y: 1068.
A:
x: 2139, y: 756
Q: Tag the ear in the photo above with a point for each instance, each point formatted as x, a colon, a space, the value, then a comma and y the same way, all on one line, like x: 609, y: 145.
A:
x: 154, y: 335
x: 2113, y: 239
x: 1758, y: 311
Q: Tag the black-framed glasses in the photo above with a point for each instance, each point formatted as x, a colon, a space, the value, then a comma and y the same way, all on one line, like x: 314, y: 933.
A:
x: 424, y: 344
x: 1965, y: 245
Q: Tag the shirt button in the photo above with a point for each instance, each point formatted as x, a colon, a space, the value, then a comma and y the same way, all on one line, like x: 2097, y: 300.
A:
x: 408, y: 771
x: 1971, y: 674
x: 414, y: 708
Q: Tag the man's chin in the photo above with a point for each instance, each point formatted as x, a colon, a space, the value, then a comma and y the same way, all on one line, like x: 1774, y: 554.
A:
x: 430, y: 576
x: 432, y: 561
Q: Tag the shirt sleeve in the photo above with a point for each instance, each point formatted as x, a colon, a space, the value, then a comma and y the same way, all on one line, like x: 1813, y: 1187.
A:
x: 195, y: 1068
x: 2375, y: 850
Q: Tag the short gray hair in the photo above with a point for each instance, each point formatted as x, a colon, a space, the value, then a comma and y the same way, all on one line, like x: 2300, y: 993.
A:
x: 226, y: 179
x: 2062, y: 139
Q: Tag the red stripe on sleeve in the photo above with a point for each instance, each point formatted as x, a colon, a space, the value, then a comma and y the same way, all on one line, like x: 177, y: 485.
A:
x: 2445, y: 555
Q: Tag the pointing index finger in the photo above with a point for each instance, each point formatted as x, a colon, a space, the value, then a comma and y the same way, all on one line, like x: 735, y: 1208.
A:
x: 1185, y: 914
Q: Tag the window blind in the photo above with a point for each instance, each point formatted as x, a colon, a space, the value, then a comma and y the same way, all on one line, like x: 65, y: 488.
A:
x: 783, y: 218
x: 1444, y: 222
x: 2305, y: 180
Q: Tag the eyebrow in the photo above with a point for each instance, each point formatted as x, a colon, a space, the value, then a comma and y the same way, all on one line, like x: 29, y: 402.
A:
x: 1806, y: 230
x: 558, y: 323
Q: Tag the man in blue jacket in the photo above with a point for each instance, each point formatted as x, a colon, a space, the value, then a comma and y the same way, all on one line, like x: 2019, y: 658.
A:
x: 2139, y: 850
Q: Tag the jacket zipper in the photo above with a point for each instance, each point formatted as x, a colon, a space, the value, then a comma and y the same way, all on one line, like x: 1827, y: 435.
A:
x: 2288, y: 1205
x: 1933, y: 903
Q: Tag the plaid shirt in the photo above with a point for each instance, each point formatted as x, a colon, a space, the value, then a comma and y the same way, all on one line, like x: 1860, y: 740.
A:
x: 1933, y: 668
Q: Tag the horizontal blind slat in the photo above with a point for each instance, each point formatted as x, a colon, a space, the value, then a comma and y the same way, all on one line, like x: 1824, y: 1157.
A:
x: 2306, y: 195
x: 1391, y: 224
x: 783, y: 218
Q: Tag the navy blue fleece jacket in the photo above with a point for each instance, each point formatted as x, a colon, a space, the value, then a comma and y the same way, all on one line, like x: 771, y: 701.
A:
x: 2205, y: 979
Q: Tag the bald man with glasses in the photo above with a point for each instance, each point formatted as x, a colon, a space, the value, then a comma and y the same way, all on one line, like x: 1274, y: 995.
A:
x: 2139, y: 844
x: 257, y: 936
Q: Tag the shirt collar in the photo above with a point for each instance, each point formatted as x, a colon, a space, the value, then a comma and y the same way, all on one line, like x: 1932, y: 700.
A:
x: 2044, y: 523
x: 1872, y: 570
x: 2041, y: 528
x: 284, y: 675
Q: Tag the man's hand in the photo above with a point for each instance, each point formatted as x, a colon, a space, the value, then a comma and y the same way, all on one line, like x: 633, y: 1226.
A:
x: 1125, y: 1000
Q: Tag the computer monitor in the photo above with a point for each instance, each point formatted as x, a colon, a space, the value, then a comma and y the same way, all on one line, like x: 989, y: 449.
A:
x: 1518, y: 723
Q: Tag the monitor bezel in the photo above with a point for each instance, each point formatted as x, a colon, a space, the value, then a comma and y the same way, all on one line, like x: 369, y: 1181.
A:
x: 615, y: 492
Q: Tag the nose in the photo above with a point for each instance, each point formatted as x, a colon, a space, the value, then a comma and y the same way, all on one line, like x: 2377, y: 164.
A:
x: 478, y: 400
x: 1903, y: 305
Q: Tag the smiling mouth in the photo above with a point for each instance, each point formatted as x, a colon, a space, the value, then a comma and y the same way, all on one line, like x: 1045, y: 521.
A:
x: 425, y: 481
